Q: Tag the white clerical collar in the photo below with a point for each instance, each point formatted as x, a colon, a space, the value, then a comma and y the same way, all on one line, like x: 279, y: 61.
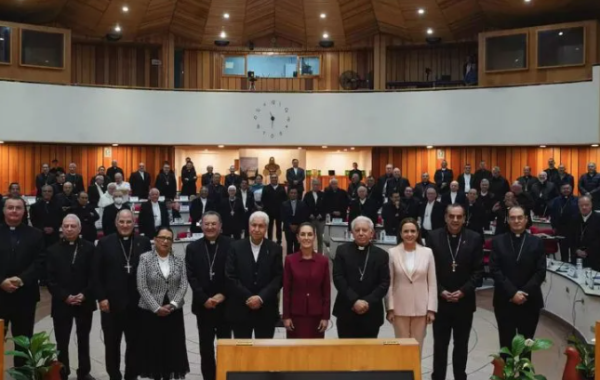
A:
x: 118, y: 206
x: 71, y: 243
x: 362, y: 201
x: 274, y: 186
x: 125, y: 238
x: 483, y: 194
x: 361, y: 248
x: 12, y: 228
x: 212, y: 241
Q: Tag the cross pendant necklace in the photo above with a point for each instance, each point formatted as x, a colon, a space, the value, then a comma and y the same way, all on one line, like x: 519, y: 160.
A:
x: 127, y: 266
x: 454, y: 255
x: 211, y: 263
x: 364, y: 268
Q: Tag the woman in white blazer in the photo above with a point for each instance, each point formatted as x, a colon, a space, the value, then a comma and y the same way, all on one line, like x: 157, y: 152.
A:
x: 411, y: 302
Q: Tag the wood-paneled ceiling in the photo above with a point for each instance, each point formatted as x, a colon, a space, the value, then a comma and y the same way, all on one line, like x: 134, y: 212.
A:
x: 300, y: 21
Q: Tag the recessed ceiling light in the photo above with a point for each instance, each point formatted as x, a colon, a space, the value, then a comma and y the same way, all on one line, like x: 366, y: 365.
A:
x: 345, y: 150
x: 352, y: 148
x: 528, y: 1
x: 225, y: 15
x: 594, y: 145
x: 323, y: 15
x: 542, y: 146
x: 429, y: 31
x: 299, y: 148
x: 117, y: 28
x: 560, y: 33
x: 115, y: 144
x: 1, y: 38
x: 324, y: 147
x: 429, y: 146
x: 223, y: 35
x: 125, y: 8
x: 221, y: 146
x: 206, y: 150
x: 421, y: 11
x: 1, y: 142
x: 325, y: 35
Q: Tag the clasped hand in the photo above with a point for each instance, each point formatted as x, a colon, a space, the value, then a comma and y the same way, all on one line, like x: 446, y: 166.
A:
x: 254, y: 302
x: 520, y: 297
x: 214, y: 301
x: 360, y: 307
x: 452, y: 297
x: 75, y: 300
x: 10, y: 285
x: 165, y: 310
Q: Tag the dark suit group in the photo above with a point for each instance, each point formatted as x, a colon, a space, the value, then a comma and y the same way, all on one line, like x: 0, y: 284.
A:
x: 146, y: 221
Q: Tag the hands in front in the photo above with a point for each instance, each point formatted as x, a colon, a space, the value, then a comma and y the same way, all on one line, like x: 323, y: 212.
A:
x: 214, y: 301
x: 104, y: 306
x: 452, y: 297
x: 75, y: 300
x: 165, y: 310
x: 581, y: 253
x: 360, y: 307
x: 10, y: 285
x: 254, y: 302
x: 289, y: 325
x: 519, y: 298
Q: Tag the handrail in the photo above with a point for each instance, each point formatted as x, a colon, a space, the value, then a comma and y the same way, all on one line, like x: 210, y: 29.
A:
x: 463, y: 88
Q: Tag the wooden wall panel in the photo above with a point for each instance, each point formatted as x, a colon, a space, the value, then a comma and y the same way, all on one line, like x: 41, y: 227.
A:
x: 202, y: 70
x: 408, y: 64
x: 415, y: 161
x: 22, y: 162
x: 115, y: 65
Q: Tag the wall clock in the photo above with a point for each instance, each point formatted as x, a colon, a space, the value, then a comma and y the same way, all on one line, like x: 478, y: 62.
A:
x: 272, y: 119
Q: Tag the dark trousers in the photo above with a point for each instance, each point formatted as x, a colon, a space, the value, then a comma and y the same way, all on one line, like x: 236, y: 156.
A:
x: 20, y: 317
x: 292, y: 242
x: 209, y: 327
x: 514, y: 319
x: 275, y: 219
x: 353, y: 328
x: 263, y: 328
x: 63, y: 325
x: 115, y: 325
x: 457, y: 323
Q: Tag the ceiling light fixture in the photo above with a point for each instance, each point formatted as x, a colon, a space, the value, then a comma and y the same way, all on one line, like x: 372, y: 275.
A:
x: 560, y: 33
x: 125, y: 8
x: 299, y: 148
x: 226, y: 15
x: 221, y: 146
x: 542, y: 146
x: 223, y: 35
x: 1, y: 38
x: 594, y: 145
x: 324, y: 147
x: 323, y: 15
x: 352, y: 148
x: 1, y: 142
x: 115, y: 144
x: 117, y: 28
x: 429, y: 31
x: 325, y: 35
x: 429, y: 146
x: 421, y: 11
x: 528, y: 1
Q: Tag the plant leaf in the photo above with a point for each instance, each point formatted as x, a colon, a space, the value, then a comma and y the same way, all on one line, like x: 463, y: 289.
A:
x: 518, y: 345
x: 541, y: 344
x: 17, y: 374
x: 21, y: 341
x: 505, y: 350
x: 540, y: 377
x: 18, y: 354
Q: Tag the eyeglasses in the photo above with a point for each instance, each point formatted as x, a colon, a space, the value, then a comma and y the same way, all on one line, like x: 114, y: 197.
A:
x: 516, y: 218
x: 163, y: 238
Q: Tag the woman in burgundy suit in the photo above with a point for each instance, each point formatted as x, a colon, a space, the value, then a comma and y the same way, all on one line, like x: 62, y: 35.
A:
x: 306, y: 289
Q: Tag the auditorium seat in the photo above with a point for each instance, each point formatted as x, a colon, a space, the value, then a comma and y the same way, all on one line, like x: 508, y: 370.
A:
x: 182, y: 235
x: 550, y: 245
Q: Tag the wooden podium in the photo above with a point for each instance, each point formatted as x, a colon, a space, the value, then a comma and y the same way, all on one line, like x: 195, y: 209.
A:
x: 289, y: 355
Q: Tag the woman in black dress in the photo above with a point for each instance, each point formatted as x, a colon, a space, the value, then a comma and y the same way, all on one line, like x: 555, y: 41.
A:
x: 162, y: 283
x: 188, y: 178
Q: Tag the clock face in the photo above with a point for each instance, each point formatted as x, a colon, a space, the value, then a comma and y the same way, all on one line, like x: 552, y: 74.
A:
x: 272, y: 119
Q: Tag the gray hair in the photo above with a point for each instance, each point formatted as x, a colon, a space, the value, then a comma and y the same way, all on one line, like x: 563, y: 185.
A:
x: 259, y: 215
x: 360, y: 219
x: 124, y: 210
x: 74, y: 217
x: 111, y: 185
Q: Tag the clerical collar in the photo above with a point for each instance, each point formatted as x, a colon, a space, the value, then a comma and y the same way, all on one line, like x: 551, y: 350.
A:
x: 274, y: 186
x: 483, y: 194
x: 231, y: 199
x: 212, y: 241
x: 517, y: 236
x: 124, y: 237
x: 362, y: 201
x: 361, y: 247
x: 12, y: 228
x: 453, y: 236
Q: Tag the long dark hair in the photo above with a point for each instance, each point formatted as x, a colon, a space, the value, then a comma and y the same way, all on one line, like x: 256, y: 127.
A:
x: 411, y: 221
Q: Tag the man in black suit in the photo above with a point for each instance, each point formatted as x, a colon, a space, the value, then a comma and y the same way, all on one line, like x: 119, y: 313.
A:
x: 363, y: 206
x: 199, y: 207
x: 564, y: 211
x: 392, y: 213
x: 140, y: 182
x: 396, y: 183
x: 166, y: 182
x: 232, y: 179
x: 498, y: 184
x: 153, y: 215
x: 314, y: 201
x: 102, y: 173
x: 354, y: 171
x: 295, y: 177
x: 458, y: 254
x: 21, y: 256
x: 233, y: 214
x: 114, y: 169
x: 14, y: 190
x: 110, y: 213
x: 293, y: 213
x: 466, y: 180
x: 443, y: 177
x: 454, y: 195
x: 46, y: 216
x: 97, y: 189
x: 216, y: 191
x: 60, y: 182
x: 361, y: 276
x: 67, y: 199
x: 410, y: 203
x: 431, y: 213
x: 88, y: 216
x: 247, y: 197
x: 543, y: 192
x: 254, y: 270
x: 481, y: 174
x: 518, y: 266
x: 336, y: 201
x: 205, y: 261
x: 69, y: 265
x: 420, y: 190
x: 474, y: 213
x: 527, y: 180
x: 373, y: 192
x: 208, y: 176
x: 43, y: 179
x: 382, y: 181
x: 585, y: 235
x: 75, y: 179
x: 56, y: 168
x: 114, y: 274
x: 355, y: 183
x: 273, y: 197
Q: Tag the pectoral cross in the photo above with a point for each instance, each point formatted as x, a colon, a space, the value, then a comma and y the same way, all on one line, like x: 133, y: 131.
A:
x: 128, y: 267
x: 211, y: 275
x: 454, y: 265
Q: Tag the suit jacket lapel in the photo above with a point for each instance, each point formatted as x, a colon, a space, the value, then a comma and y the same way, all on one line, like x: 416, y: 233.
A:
x: 403, y: 265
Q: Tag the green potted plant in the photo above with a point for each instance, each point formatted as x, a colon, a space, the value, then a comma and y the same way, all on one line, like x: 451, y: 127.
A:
x: 516, y: 366
x: 40, y: 357
x: 586, y: 366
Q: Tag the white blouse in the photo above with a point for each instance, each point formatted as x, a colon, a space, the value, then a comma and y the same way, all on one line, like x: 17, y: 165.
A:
x: 410, y: 261
x: 165, y: 268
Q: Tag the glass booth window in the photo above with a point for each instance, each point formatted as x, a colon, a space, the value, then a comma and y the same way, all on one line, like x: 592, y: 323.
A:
x: 234, y: 65
x: 561, y: 47
x: 44, y: 49
x: 506, y: 52
x: 273, y: 66
x: 4, y: 44
x: 310, y: 65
